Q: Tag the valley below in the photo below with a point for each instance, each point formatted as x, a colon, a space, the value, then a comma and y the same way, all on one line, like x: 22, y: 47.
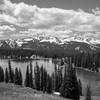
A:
x: 86, y: 76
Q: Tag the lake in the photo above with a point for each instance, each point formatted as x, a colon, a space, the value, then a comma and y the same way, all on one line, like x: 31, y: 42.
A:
x: 47, y: 64
x: 91, y: 78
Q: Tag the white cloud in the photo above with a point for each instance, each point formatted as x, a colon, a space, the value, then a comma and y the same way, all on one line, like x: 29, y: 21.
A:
x: 7, y: 28
x: 49, y: 20
x: 33, y: 16
x: 8, y: 18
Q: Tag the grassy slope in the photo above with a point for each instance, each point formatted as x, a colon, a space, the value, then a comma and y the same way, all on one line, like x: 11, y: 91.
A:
x: 13, y: 92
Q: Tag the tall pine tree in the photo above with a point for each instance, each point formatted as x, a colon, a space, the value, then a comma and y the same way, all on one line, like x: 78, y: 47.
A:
x: 27, y: 78
x: 49, y: 84
x: 31, y: 75
x: 6, y: 75
x: 1, y: 74
x: 11, y: 72
x: 44, y: 80
x: 41, y: 77
x: 88, y: 93
x: 70, y: 87
x: 20, y: 78
x: 16, y: 76
x: 80, y: 87
x: 37, y: 76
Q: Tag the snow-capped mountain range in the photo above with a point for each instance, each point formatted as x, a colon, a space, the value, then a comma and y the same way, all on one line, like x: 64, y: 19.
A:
x: 53, y: 39
x: 77, y: 42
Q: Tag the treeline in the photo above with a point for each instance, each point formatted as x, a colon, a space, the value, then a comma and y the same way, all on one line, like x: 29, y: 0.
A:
x: 16, y: 53
x: 27, y: 53
x: 84, y: 60
x: 87, y: 60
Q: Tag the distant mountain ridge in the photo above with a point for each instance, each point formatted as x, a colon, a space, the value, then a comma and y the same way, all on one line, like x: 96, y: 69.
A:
x: 74, y: 43
x: 71, y: 41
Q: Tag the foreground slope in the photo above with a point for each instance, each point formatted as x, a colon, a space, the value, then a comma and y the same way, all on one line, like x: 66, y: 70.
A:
x: 14, y: 92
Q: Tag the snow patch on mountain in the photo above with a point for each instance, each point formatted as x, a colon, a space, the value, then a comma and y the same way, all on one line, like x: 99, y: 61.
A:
x: 50, y: 39
x: 19, y: 42
x: 28, y: 39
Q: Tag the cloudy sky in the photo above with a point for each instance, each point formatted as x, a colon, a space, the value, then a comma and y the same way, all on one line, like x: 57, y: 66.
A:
x: 19, y: 18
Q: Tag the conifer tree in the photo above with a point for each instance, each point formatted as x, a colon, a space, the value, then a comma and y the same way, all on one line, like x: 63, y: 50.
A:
x: 59, y: 80
x: 13, y: 75
x: 70, y: 87
x: 37, y: 76
x: 44, y: 80
x: 16, y: 76
x: 49, y: 84
x: 31, y: 75
x: 41, y: 78
x: 1, y: 74
x: 27, y: 78
x: 11, y: 72
x: 88, y: 93
x: 6, y: 75
x: 52, y: 79
x: 55, y: 78
x: 20, y: 78
x: 2, y: 77
x: 80, y: 87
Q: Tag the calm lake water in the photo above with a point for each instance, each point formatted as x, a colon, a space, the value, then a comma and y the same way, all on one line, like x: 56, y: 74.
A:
x: 48, y: 64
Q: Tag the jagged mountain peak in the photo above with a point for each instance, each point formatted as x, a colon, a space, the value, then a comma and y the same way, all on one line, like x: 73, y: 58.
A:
x: 76, y: 41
